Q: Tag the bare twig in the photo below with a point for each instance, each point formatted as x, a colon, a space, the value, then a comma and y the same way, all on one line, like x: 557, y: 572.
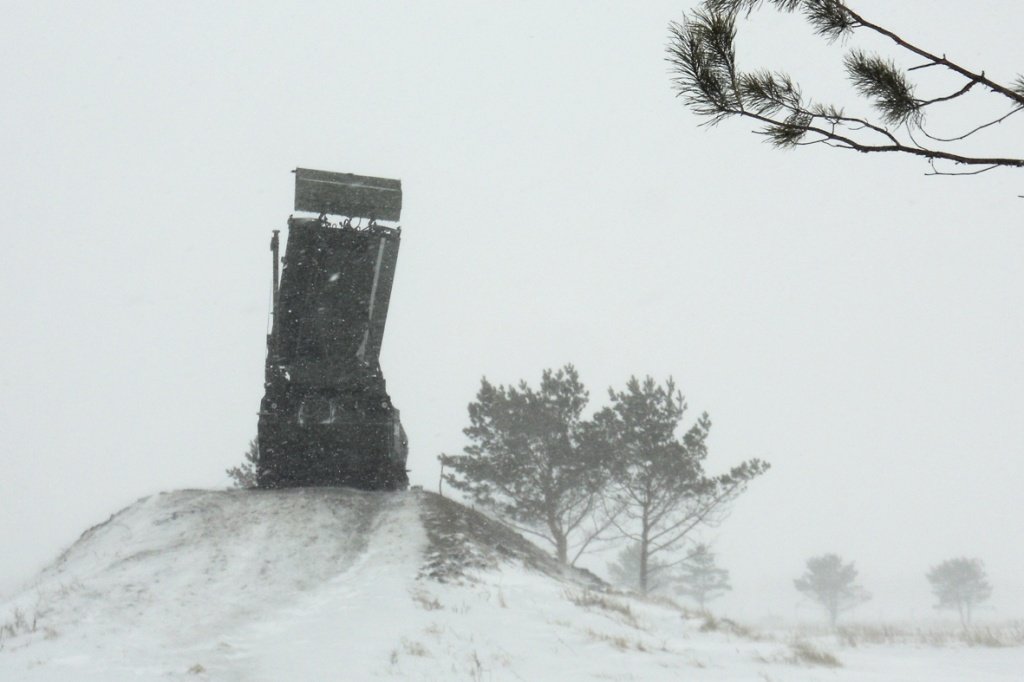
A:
x: 973, y: 130
x: 936, y: 171
x: 959, y: 93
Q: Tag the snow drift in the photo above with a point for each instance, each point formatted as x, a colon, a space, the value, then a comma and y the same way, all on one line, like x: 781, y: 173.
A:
x: 335, y: 584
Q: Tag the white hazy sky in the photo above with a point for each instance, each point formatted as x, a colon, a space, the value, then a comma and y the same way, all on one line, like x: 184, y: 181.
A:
x: 852, y: 321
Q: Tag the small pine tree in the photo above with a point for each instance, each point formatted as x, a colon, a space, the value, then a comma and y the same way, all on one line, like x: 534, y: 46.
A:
x: 833, y: 584
x: 700, y: 578
x: 625, y: 570
x: 244, y: 475
x: 960, y: 584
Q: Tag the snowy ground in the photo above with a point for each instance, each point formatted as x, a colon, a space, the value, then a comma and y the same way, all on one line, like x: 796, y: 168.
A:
x: 322, y: 584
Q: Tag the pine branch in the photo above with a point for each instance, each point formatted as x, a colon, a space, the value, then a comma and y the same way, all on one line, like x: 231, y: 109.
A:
x: 701, y: 53
x: 848, y: 143
x: 880, y: 80
x: 1014, y: 93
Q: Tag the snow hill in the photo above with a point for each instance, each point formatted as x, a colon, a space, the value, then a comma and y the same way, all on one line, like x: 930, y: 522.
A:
x: 335, y: 584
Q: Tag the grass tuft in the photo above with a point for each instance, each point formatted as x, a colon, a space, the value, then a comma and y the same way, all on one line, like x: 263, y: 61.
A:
x: 806, y: 653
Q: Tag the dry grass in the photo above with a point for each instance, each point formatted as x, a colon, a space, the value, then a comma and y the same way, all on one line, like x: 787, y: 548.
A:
x: 426, y: 601
x: 414, y: 648
x: 618, y: 641
x: 712, y: 624
x: 803, y: 652
x: 995, y: 636
x: 21, y: 623
x: 590, y: 599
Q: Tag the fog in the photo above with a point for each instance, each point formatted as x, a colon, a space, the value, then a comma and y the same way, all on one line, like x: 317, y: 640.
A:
x: 845, y: 317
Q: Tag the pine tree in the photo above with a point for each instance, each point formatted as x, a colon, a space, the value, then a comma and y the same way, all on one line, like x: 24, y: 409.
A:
x: 832, y: 584
x: 960, y: 584
x: 700, y: 578
x: 658, y: 487
x: 625, y: 570
x: 530, y: 462
x: 244, y: 475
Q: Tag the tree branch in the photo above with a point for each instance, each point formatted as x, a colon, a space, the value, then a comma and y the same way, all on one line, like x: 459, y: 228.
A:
x: 973, y: 130
x: 952, y: 66
x: 702, y: 56
x: 936, y: 171
x: 962, y: 91
x: 898, y: 147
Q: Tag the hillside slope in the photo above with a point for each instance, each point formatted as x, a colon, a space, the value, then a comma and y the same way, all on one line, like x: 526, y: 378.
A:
x: 334, y: 584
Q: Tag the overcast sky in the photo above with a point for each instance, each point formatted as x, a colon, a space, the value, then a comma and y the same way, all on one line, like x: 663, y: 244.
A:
x: 855, y: 323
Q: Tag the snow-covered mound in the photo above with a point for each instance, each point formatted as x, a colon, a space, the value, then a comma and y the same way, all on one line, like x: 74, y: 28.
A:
x: 333, y: 584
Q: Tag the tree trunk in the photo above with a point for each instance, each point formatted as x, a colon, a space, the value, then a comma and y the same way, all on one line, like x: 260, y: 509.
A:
x: 561, y: 539
x: 562, y: 548
x: 644, y: 548
x: 643, y: 566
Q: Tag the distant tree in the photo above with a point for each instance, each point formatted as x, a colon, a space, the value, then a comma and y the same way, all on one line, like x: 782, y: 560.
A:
x: 529, y: 460
x: 700, y: 578
x: 658, y: 490
x: 832, y: 584
x: 625, y: 570
x: 705, y: 73
x: 244, y: 475
x: 960, y: 584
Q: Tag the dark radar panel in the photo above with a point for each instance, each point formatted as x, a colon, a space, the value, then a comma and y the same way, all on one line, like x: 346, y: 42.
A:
x: 326, y: 418
x: 347, y: 194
